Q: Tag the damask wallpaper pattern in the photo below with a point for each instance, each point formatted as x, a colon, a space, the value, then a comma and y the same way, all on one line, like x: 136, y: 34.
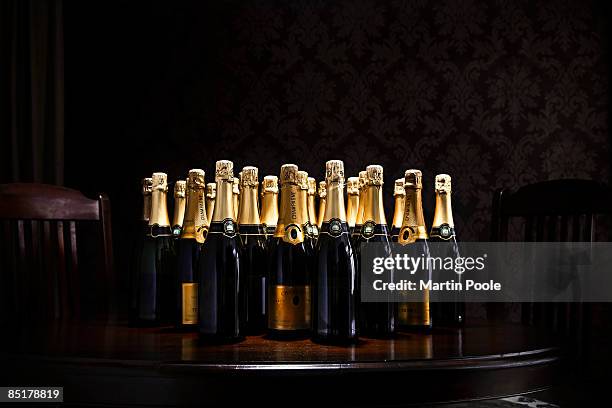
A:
x: 496, y: 93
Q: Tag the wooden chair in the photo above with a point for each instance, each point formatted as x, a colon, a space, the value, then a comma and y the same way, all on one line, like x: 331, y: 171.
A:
x: 551, y: 211
x: 47, y: 235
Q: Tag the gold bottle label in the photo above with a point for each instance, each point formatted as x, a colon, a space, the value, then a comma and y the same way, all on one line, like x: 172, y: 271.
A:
x: 415, y: 313
x: 190, y: 303
x: 289, y: 308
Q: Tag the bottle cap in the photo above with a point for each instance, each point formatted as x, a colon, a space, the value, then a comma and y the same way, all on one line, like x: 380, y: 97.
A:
x: 249, y: 177
x: 363, y: 179
x: 196, y: 178
x: 288, y: 174
x: 159, y: 181
x: 270, y: 184
x: 179, y: 189
x: 211, y: 190
x: 334, y: 171
x: 413, y: 179
x: 312, y: 186
x: 352, y: 185
x: 147, y: 185
x: 375, y: 174
x: 443, y: 183
x: 322, y: 189
x: 302, y: 180
x: 398, y: 188
x: 224, y: 170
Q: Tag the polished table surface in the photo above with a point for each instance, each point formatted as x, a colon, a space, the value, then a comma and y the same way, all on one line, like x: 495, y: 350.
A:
x: 170, y: 367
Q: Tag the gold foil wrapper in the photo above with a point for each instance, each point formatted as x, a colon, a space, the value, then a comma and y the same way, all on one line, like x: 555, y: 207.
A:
x: 443, y: 184
x: 352, y: 186
x: 302, y: 180
x: 249, y: 177
x: 211, y: 190
x: 322, y: 189
x: 334, y: 171
x: 312, y: 186
x: 363, y: 179
x: 288, y: 174
x: 375, y: 174
x: 147, y: 185
x: 270, y: 184
x: 224, y: 170
x: 196, y: 179
x: 413, y: 179
x: 235, y: 185
x: 179, y: 189
x: 398, y: 188
x: 159, y: 181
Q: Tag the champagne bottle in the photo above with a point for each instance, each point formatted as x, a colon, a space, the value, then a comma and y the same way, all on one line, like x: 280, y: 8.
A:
x: 155, y: 289
x: 179, y: 208
x: 211, y: 194
x: 312, y: 212
x: 398, y: 213
x: 302, y: 181
x: 359, y: 217
x: 443, y: 231
x: 236, y: 195
x: 221, y: 286
x: 193, y: 234
x: 269, y: 205
x: 147, y: 184
x: 289, y: 294
x: 254, y: 259
x: 377, y: 318
x: 352, y: 204
x: 322, y: 201
x: 335, y: 287
x: 414, y: 315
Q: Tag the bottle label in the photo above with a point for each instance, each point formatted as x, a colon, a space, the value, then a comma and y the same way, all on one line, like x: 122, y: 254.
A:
x: 293, y: 234
x: 414, y: 313
x: 444, y: 231
x: 201, y: 227
x: 189, y: 303
x: 335, y: 227
x: 289, y: 308
x: 367, y: 229
x: 229, y: 228
x: 407, y: 235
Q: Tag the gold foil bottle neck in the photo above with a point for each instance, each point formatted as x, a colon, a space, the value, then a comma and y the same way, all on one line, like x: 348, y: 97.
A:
x: 147, y: 185
x: 249, y: 177
x: 270, y: 184
x: 413, y: 179
x: 352, y: 186
x: 398, y: 189
x: 443, y: 184
x: 322, y: 189
x: 196, y: 179
x: 159, y: 181
x: 375, y: 174
x: 179, y: 189
x: 211, y: 190
x: 363, y: 179
x: 235, y: 185
x: 288, y: 174
x: 334, y: 171
x: 224, y: 170
x: 302, y: 180
x: 312, y: 186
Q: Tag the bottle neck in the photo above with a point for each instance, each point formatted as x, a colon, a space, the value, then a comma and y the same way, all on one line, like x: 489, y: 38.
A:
x: 334, y: 202
x: 146, y: 208
x: 413, y: 217
x: 159, y: 209
x: 249, y: 213
x: 312, y: 213
x: 322, y: 206
x: 179, y: 211
x: 269, y: 209
x: 303, y: 206
x: 360, y: 208
x: 194, y: 214
x: 443, y: 213
x: 373, y: 209
x: 210, y: 206
x: 352, y: 207
x: 224, y: 202
x: 290, y: 212
x: 398, y: 212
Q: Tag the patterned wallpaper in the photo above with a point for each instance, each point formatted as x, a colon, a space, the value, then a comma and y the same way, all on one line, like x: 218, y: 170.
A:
x: 496, y: 93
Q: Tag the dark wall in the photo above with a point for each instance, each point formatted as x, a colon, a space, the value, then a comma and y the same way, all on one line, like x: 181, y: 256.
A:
x: 496, y: 93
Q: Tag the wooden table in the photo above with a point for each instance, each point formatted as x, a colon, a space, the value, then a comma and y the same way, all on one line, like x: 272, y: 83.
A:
x: 112, y: 364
